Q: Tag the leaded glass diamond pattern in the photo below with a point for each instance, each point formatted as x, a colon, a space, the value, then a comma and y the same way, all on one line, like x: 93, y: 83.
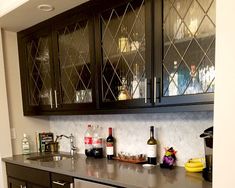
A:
x: 39, y: 71
x: 74, y: 60
x: 123, y: 47
x: 189, y: 47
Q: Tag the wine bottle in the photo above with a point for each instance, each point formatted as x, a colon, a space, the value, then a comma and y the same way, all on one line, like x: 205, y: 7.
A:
x: 152, y: 148
x: 110, y: 145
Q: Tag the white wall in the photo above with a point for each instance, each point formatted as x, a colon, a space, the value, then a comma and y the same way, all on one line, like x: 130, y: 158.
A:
x: 28, y: 125
x: 224, y: 117
x: 5, y: 141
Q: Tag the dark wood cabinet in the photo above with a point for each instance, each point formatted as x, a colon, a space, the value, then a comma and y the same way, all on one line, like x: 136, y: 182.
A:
x: 37, y: 73
x: 74, y: 63
x: 14, y: 183
x: 24, y: 177
x: 184, y: 54
x: 120, y: 57
x: 57, y: 66
x: 124, y: 52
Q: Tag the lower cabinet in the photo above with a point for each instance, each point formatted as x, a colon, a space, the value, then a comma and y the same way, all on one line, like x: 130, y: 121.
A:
x: 25, y: 177
x: 14, y: 183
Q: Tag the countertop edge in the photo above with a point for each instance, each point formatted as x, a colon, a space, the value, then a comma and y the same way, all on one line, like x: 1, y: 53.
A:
x: 82, y: 177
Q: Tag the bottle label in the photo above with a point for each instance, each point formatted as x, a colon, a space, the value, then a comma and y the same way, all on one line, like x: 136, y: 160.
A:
x: 151, y: 150
x: 88, y: 140
x: 97, y: 142
x: 25, y: 146
x: 109, y: 148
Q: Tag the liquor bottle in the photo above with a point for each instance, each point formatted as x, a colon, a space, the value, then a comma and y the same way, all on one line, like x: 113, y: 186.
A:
x: 110, y: 145
x: 88, y: 141
x: 124, y: 93
x: 135, y: 85
x: 25, y: 145
x: 173, y: 79
x: 97, y: 143
x: 194, y: 86
x: 152, y: 148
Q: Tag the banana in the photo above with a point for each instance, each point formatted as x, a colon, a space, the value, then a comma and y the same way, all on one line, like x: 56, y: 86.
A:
x: 194, y: 165
x: 196, y: 169
x: 195, y: 160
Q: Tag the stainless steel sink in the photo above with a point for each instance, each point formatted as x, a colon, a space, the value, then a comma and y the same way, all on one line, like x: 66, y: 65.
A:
x: 50, y: 157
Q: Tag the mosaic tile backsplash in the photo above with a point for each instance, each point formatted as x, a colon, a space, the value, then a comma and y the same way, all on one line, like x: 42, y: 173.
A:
x: 179, y: 130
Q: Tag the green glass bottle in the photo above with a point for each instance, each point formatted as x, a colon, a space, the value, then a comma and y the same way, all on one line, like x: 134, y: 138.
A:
x: 152, y: 148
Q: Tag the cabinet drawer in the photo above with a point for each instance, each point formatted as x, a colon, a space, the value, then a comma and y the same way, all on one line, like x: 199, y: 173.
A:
x: 32, y: 175
x: 61, y: 181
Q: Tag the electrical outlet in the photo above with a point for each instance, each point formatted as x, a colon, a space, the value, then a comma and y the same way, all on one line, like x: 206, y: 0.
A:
x: 13, y: 133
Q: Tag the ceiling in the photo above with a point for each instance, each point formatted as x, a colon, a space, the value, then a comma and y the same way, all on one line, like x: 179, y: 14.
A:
x: 16, y: 15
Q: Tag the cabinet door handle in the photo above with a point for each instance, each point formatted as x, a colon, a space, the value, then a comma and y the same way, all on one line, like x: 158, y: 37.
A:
x: 155, y: 90
x: 51, y: 99
x: 159, y: 90
x: 60, y: 183
x: 23, y: 186
x: 56, y: 102
x: 145, y: 90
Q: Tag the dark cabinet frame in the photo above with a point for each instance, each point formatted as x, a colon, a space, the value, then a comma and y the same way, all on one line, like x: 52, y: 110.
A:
x: 154, y: 53
x: 23, y: 37
x: 51, y: 27
x: 58, y: 26
x: 134, y: 103
x: 204, y: 99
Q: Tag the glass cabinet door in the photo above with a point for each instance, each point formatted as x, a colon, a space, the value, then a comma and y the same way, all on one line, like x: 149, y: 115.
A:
x: 75, y: 76
x: 39, y: 71
x: 188, y: 47
x: 123, y: 39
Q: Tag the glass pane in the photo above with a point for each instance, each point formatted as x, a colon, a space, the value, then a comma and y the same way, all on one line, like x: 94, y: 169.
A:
x: 123, y: 47
x: 75, y: 67
x: 189, y: 52
x: 39, y: 71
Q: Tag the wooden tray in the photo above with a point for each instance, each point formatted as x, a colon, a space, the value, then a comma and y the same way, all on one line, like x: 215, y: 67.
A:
x: 135, y: 161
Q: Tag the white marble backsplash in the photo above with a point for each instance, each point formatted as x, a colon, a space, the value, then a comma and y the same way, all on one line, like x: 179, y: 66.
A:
x: 179, y: 130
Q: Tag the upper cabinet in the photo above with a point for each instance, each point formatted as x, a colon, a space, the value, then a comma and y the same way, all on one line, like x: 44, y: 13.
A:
x: 74, y: 63
x: 57, y: 66
x: 124, y: 55
x: 37, y: 71
x: 137, y: 55
x: 187, y: 71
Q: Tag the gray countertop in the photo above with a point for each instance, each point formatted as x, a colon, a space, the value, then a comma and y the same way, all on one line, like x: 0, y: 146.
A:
x: 116, y: 173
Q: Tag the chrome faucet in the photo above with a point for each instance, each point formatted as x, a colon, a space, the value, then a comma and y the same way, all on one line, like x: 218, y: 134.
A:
x: 72, y: 142
x: 72, y: 145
